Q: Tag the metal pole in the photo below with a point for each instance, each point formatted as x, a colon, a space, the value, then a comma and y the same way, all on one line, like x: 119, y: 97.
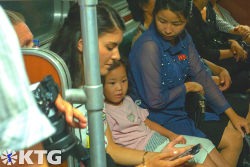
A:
x: 93, y: 86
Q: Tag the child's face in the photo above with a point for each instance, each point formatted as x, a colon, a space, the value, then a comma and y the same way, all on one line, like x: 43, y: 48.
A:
x: 116, y: 85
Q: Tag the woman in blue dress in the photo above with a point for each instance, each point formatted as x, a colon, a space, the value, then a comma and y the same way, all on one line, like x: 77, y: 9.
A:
x: 165, y: 66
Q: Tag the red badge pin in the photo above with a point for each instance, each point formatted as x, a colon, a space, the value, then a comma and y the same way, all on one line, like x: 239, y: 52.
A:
x: 182, y: 57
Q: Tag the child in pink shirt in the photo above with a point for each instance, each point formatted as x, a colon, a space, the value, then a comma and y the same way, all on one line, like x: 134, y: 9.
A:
x: 129, y: 124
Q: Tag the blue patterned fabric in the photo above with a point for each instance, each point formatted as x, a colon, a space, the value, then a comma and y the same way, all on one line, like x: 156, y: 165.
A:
x: 157, y: 74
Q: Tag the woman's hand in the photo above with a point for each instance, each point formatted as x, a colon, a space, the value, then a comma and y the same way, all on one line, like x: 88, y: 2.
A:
x: 71, y: 113
x: 174, y: 136
x: 238, y: 51
x: 170, y: 146
x: 225, y: 80
x: 216, y: 80
x: 247, y: 39
x: 243, y: 30
x: 240, y: 123
x: 161, y: 160
x: 194, y: 87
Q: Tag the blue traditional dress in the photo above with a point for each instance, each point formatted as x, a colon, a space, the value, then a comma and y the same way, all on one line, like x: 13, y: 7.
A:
x: 157, y: 73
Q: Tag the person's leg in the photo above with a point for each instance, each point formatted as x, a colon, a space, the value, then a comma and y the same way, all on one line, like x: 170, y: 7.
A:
x: 208, y: 162
x: 213, y: 154
x: 231, y: 145
x: 218, y: 159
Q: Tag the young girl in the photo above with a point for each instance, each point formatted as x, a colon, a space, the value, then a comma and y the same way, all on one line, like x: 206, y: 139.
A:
x: 131, y: 128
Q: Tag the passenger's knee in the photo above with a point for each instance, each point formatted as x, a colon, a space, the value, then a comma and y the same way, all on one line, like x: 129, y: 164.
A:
x: 234, y: 141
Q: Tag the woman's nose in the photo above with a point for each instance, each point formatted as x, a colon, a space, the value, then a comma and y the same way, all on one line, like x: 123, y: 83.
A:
x: 116, y: 55
x: 168, y: 29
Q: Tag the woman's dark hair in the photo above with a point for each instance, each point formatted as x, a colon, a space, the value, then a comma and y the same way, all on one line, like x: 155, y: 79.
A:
x: 136, y: 8
x: 66, y: 40
x: 183, y: 7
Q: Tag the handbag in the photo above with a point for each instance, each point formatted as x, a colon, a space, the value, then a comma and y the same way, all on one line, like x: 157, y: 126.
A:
x: 195, y: 107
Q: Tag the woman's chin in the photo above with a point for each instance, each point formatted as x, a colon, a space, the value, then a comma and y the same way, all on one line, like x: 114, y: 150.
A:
x: 104, y: 71
x: 169, y: 38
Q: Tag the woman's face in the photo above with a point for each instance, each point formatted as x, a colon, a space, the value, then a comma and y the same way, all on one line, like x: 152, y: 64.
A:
x: 108, y: 49
x: 169, y: 24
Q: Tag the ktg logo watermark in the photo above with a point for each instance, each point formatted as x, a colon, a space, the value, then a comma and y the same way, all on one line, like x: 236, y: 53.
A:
x: 11, y: 157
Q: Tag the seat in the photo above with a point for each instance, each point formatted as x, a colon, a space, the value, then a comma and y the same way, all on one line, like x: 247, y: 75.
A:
x: 41, y: 62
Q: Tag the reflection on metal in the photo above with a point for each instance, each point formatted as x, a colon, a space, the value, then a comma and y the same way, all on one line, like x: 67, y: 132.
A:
x: 76, y: 96
x: 57, y: 63
x: 93, y: 86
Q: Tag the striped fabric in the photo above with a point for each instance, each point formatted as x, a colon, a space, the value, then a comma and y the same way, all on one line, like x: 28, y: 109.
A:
x: 226, y: 22
x: 21, y: 122
x: 155, y: 141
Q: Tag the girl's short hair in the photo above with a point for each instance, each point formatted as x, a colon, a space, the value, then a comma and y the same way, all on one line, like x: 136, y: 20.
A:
x: 116, y: 64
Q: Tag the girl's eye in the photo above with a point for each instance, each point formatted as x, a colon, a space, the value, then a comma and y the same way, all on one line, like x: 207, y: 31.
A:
x: 125, y: 80
x: 111, y: 83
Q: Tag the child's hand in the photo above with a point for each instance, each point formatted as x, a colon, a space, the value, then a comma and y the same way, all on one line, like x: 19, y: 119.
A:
x: 173, y: 136
x: 71, y: 113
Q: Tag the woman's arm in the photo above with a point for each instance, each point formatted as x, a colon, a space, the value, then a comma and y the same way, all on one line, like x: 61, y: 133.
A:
x: 160, y: 161
x: 145, y: 72
x: 125, y: 156
x: 226, y: 54
x: 214, y: 97
x: 224, y: 76
x: 215, y: 68
x: 238, y: 122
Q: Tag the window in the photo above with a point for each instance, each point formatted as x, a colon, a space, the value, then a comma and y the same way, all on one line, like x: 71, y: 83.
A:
x: 42, y: 16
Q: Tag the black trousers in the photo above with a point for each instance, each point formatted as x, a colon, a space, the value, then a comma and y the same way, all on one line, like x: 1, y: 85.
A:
x: 239, y: 73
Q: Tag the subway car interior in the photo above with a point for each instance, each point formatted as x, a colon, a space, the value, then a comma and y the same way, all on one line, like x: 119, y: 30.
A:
x: 195, y: 81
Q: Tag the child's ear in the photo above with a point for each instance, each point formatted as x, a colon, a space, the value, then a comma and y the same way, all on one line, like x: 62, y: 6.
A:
x: 79, y: 45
